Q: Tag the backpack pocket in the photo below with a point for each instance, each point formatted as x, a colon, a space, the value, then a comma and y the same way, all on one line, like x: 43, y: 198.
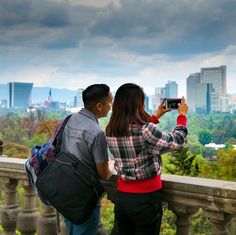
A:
x: 71, y: 187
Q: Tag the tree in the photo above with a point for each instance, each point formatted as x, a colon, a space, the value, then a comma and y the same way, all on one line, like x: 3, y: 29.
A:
x: 224, y: 167
x: 47, y: 127
x: 182, y: 163
x: 204, y: 137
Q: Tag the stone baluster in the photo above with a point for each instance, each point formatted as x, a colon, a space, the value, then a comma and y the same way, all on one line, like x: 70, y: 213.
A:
x: 27, y: 218
x: 47, y: 222
x: 63, y: 230
x: 183, y: 214
x: 10, y: 211
x: 219, y: 221
x: 1, y: 147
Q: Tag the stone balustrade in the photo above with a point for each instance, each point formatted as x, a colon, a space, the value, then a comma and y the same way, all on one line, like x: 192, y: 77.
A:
x: 184, y: 195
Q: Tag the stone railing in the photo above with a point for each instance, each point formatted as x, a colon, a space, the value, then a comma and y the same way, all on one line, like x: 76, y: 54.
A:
x: 184, y: 195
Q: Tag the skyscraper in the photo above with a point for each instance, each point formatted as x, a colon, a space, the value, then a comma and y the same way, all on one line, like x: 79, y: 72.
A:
x: 157, y: 97
x: 216, y: 76
x: 79, y: 98
x: 207, y: 90
x: 171, y: 89
x: 193, y: 80
x: 146, y: 101
x: 19, y: 94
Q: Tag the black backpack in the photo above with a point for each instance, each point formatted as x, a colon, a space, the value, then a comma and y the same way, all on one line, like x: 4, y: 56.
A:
x: 70, y: 186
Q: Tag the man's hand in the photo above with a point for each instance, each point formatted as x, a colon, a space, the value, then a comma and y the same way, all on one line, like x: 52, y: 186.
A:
x: 105, y: 170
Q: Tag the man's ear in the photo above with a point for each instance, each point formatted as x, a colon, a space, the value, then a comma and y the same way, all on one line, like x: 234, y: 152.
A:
x: 99, y: 107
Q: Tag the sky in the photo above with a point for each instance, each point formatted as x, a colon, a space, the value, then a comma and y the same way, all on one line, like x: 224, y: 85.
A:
x: 75, y: 43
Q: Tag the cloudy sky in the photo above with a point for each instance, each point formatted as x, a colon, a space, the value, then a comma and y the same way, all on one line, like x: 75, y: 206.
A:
x: 74, y: 43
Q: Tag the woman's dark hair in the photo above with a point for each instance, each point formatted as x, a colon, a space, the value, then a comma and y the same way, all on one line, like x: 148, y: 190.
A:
x: 94, y: 94
x: 127, y: 108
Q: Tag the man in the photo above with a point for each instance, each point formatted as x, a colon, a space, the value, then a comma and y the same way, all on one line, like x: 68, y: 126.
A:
x: 84, y: 139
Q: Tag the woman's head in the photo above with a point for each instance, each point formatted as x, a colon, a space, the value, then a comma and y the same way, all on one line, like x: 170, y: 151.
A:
x: 128, y: 108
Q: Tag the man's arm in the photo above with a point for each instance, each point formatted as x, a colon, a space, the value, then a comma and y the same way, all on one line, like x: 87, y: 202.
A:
x: 105, y: 170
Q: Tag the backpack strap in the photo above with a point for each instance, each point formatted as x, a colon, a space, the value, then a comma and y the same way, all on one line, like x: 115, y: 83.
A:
x: 56, y: 141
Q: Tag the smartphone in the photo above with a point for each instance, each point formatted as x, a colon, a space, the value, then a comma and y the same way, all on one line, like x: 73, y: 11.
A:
x: 172, y: 103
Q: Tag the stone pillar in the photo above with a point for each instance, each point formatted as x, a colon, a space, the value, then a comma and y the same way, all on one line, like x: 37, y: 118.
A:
x: 219, y: 221
x: 1, y: 148
x: 183, y: 214
x: 27, y: 218
x: 47, y: 222
x: 10, y: 211
x: 63, y: 230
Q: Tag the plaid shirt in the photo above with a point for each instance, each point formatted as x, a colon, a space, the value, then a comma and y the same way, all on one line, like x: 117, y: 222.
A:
x: 138, y: 156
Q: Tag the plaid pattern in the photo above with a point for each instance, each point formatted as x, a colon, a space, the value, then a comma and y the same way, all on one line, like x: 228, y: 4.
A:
x: 138, y: 156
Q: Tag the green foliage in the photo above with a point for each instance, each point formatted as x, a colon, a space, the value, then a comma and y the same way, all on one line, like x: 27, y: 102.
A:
x: 183, y: 162
x: 107, y: 214
x: 168, y: 222
x: 223, y: 168
x: 39, y: 139
x: 209, y: 152
x: 200, y: 224
x: 204, y: 137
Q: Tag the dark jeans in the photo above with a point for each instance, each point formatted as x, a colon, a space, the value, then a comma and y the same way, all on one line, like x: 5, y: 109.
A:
x: 138, y: 214
x: 89, y: 227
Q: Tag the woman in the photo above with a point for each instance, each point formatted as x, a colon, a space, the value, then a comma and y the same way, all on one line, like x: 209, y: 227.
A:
x: 137, y: 143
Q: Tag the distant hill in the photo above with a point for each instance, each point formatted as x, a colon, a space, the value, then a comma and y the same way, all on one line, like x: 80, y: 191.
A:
x: 40, y: 94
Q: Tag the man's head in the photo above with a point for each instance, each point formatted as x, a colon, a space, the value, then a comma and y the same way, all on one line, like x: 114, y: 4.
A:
x: 97, y: 98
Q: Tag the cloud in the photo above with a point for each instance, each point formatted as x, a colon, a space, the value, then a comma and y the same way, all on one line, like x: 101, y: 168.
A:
x: 73, y: 43
x: 184, y: 28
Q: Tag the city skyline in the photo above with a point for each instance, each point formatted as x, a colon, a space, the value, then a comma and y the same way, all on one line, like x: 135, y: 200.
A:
x: 74, y: 43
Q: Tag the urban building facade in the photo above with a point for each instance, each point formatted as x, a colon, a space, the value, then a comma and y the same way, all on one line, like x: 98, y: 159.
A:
x: 193, y: 81
x: 171, y: 89
x: 79, y: 98
x: 206, y: 91
x: 157, y: 97
x: 19, y: 94
x: 146, y: 104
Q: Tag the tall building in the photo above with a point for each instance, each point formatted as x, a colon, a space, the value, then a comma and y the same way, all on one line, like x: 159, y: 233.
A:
x: 193, y: 80
x: 171, y: 89
x: 216, y: 76
x: 79, y: 98
x: 157, y: 97
x: 19, y: 94
x: 146, y: 103
x: 207, y: 90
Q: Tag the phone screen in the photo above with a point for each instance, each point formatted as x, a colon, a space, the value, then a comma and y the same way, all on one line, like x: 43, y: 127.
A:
x: 172, y: 103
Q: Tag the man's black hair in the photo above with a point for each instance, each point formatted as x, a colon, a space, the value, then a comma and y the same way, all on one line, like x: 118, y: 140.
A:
x: 95, y: 93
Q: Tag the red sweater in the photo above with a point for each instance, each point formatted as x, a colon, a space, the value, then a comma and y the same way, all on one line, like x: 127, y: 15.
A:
x: 149, y: 185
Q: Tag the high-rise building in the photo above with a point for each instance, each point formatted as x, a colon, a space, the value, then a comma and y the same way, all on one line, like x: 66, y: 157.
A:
x: 171, y: 89
x: 146, y: 103
x: 19, y: 94
x: 193, y: 80
x: 216, y: 76
x: 157, y: 97
x: 75, y: 101
x: 207, y: 90
x: 79, y: 98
